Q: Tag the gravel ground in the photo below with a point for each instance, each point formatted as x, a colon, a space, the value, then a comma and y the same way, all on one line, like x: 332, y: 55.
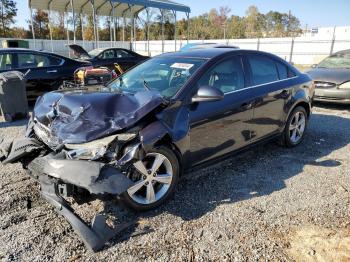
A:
x: 269, y: 203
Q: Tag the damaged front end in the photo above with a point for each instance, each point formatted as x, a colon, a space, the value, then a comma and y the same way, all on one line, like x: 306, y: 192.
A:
x: 67, y: 152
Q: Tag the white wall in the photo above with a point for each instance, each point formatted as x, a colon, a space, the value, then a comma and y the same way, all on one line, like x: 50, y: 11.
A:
x: 307, y: 50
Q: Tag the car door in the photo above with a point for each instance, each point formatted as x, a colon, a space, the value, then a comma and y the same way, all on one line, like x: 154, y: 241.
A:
x: 219, y: 127
x: 44, y: 72
x: 125, y: 59
x: 270, y: 95
x: 106, y: 59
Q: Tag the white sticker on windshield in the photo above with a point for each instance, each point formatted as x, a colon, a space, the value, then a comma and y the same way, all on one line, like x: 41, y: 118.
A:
x: 182, y: 66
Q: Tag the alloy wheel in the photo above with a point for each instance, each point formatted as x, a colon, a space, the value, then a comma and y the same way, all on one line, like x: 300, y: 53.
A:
x: 297, y: 127
x: 153, y: 177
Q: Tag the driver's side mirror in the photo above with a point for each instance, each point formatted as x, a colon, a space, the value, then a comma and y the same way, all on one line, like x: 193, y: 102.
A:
x: 208, y: 94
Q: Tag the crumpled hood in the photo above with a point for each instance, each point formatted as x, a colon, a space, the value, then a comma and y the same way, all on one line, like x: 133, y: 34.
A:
x: 337, y: 76
x: 81, y: 116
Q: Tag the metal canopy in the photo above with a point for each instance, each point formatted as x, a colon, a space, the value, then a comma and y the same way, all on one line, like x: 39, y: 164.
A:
x: 123, y: 8
x: 113, y: 10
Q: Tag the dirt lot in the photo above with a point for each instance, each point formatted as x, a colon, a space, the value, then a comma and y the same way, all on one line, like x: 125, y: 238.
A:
x: 268, y: 203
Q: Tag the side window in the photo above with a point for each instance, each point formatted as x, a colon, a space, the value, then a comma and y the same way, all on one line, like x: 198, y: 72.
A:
x: 123, y: 54
x: 227, y: 76
x: 6, y: 61
x: 27, y: 60
x: 264, y: 69
x: 108, y: 54
x: 282, y: 70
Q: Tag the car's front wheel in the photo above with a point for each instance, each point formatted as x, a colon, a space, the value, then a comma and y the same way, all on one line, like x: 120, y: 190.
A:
x: 155, y: 179
x: 295, y: 129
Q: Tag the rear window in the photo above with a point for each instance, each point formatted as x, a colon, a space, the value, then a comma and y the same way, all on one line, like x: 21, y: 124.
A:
x: 282, y: 70
x: 264, y: 69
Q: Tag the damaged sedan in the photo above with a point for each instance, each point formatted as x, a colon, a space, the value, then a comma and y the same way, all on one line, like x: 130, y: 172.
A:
x: 135, y: 137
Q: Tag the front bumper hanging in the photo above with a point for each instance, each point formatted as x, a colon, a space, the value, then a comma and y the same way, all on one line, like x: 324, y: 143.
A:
x: 94, y: 237
x: 92, y: 176
x: 52, y: 171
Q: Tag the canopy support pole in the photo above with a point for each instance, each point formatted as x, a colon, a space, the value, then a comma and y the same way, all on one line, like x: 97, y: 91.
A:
x: 124, y: 21
x: 82, y: 21
x: 67, y: 22
x: 148, y: 20
x: 132, y: 31
x: 97, y: 22
x: 175, y: 29
x: 124, y: 28
x: 114, y: 21
x: 31, y: 22
x: 73, y: 14
x: 50, y: 24
x: 188, y: 27
x: 135, y: 31
x: 94, y: 21
x: 111, y: 25
x: 82, y: 28
x: 162, y: 15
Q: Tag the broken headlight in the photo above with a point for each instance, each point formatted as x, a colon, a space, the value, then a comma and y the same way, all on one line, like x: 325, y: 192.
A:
x: 95, y: 149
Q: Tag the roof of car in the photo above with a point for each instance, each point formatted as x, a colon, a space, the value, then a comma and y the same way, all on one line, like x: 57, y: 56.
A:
x: 347, y: 51
x: 207, y: 53
x: 17, y: 49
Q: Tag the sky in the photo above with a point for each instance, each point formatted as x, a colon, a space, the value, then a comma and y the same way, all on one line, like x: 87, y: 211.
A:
x: 312, y: 13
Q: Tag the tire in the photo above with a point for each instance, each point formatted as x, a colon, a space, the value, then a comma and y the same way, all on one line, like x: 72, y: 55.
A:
x: 139, y: 197
x: 294, y: 132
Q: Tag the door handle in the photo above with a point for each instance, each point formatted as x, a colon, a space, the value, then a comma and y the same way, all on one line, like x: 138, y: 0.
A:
x: 51, y: 71
x: 246, y: 106
x: 284, y: 94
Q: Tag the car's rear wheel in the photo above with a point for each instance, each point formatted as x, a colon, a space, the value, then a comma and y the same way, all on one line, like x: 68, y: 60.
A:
x: 155, y: 179
x: 295, y: 129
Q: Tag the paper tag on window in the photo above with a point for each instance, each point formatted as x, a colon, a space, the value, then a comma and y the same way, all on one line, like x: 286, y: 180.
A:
x: 182, y: 66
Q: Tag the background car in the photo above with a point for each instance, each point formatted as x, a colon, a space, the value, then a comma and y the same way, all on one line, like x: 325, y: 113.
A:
x: 47, y: 70
x: 107, y: 57
x: 332, y: 78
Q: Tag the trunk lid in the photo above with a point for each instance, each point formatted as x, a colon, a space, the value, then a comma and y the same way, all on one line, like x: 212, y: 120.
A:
x: 79, y: 51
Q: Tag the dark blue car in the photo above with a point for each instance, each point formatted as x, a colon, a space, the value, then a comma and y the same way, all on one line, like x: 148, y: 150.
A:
x: 136, y: 137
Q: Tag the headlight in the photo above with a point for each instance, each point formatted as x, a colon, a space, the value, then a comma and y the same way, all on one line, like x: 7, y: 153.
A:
x: 346, y: 85
x: 95, y: 149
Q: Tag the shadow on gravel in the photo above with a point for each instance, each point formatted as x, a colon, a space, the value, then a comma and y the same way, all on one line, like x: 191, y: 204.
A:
x: 332, y: 106
x: 16, y: 123
x: 257, y: 172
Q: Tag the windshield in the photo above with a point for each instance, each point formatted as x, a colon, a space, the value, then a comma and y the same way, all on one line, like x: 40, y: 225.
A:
x: 166, y: 75
x: 336, y: 61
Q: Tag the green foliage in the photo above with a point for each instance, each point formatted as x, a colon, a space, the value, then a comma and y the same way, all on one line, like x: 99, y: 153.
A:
x: 215, y: 24
x: 8, y: 11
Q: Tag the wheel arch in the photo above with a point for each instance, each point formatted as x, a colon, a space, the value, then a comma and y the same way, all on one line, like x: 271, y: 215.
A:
x: 156, y: 135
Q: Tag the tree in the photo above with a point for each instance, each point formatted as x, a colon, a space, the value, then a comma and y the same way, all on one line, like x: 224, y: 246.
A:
x: 19, y: 32
x: 254, y: 22
x: 58, y: 30
x: 8, y: 12
x: 41, y: 25
x: 236, y: 27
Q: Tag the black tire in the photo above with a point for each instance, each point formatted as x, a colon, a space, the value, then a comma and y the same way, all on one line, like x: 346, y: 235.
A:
x: 171, y: 156
x: 285, y: 139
